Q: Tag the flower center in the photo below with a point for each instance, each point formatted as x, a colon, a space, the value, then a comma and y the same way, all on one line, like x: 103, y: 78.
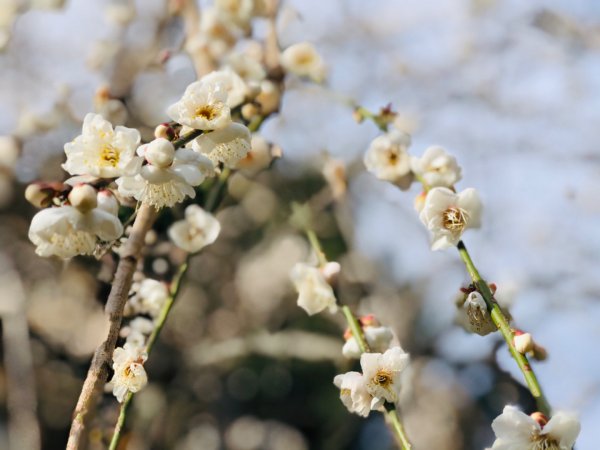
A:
x: 455, y: 219
x: 207, y: 112
x: 109, y: 156
x: 544, y: 443
x: 392, y: 157
x: 383, y: 378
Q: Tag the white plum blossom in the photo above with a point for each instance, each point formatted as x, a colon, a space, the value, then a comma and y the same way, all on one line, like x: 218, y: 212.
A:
x: 388, y: 160
x: 353, y: 393
x: 231, y: 83
x: 437, y: 168
x: 101, y: 151
x: 203, y: 107
x: 247, y: 67
x: 473, y: 315
x: 447, y: 214
x: 382, y: 374
x: 315, y: 294
x: 149, y: 297
x: 228, y: 145
x: 199, y: 229
x: 258, y: 157
x: 516, y: 430
x: 70, y: 230
x: 378, y: 338
x: 130, y: 375
x: 169, y: 176
x: 302, y: 59
x: 137, y: 331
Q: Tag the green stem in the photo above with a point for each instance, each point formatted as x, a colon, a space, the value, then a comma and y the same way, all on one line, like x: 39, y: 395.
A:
x: 316, y: 245
x: 501, y: 322
x: 356, y: 329
x: 394, y: 420
x: 177, y: 143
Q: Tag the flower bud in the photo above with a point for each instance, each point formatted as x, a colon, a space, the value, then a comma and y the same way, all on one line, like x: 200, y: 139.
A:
x: 540, y: 418
x: 83, y: 197
x: 420, y: 201
x: 160, y: 153
x: 523, y: 342
x: 331, y: 271
x: 539, y: 353
x: 108, y: 202
x: 164, y: 131
x: 269, y: 97
x: 38, y: 196
x: 249, y: 111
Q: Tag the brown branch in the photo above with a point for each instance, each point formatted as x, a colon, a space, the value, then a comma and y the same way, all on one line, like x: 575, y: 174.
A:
x: 98, y: 372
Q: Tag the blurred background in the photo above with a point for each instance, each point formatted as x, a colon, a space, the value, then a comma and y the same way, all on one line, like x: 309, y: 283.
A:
x: 511, y: 88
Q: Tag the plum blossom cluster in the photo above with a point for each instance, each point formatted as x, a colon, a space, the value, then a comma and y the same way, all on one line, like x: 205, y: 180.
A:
x: 383, y: 361
x: 446, y: 214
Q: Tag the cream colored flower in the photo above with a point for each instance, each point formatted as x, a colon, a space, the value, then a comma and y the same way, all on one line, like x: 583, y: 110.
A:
x: 315, y: 294
x: 199, y: 229
x: 387, y: 159
x: 231, y: 83
x: 382, y: 374
x: 203, y: 107
x: 302, y: 59
x: 353, y: 393
x: 130, y: 375
x: 516, y: 430
x: 67, y: 231
x: 228, y: 145
x: 437, y: 168
x: 169, y: 177
x: 101, y: 151
x: 258, y: 157
x: 447, y: 215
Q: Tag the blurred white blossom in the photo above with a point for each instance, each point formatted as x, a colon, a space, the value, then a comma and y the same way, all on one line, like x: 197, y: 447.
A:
x: 149, y: 297
x: 315, y: 294
x: 199, y: 229
x: 378, y: 338
x: 302, y: 59
x: 388, y: 160
x: 437, y: 167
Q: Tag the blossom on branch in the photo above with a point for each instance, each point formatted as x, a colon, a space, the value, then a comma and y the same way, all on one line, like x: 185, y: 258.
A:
x: 388, y: 160
x: 447, y: 215
x: 101, y: 151
x: 516, y: 430
x: 353, y: 393
x: 203, y: 107
x: 130, y: 375
x: 382, y: 374
x: 302, y: 59
x: 76, y: 229
x: 169, y: 176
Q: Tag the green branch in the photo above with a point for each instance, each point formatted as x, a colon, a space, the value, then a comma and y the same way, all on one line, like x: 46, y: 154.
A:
x: 501, y: 322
